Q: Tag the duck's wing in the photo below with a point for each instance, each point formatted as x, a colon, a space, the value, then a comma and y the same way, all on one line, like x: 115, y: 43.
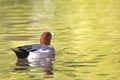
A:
x: 28, y: 48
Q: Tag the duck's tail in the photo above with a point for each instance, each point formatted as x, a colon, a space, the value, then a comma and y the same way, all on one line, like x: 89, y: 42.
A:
x: 20, y: 53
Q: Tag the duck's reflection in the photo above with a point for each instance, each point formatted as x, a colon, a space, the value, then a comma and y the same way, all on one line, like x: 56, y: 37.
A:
x: 21, y: 64
x: 24, y: 64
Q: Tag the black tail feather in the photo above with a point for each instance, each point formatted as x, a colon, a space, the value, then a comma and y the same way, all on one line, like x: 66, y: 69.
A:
x: 20, y: 53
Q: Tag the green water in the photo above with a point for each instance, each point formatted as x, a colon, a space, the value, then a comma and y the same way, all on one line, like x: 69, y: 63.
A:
x: 87, y: 37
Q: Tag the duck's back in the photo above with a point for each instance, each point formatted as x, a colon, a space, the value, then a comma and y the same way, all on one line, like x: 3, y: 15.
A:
x: 42, y: 46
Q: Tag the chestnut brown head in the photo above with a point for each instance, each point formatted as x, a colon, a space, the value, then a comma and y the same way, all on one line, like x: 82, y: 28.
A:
x: 45, y: 38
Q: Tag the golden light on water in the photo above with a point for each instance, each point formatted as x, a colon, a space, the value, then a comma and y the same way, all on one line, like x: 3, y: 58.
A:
x: 85, y: 36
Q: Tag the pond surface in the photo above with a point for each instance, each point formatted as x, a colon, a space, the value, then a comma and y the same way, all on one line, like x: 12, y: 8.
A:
x: 87, y: 38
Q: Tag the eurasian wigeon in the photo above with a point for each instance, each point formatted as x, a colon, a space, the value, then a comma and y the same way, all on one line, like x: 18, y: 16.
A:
x: 37, y: 52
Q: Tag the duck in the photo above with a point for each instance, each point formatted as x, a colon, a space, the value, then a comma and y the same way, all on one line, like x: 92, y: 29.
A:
x: 37, y: 52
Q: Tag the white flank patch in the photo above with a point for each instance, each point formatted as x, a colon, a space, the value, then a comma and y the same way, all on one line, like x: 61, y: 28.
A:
x: 43, y: 50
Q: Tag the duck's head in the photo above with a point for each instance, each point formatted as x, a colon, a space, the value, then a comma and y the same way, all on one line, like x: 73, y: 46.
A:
x: 45, y: 38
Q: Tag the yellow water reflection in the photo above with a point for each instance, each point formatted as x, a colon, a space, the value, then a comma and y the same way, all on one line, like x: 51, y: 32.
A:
x: 86, y: 39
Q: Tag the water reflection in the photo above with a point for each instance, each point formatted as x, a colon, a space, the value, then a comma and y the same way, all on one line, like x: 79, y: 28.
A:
x: 22, y: 64
x: 25, y: 65
x: 87, y: 37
